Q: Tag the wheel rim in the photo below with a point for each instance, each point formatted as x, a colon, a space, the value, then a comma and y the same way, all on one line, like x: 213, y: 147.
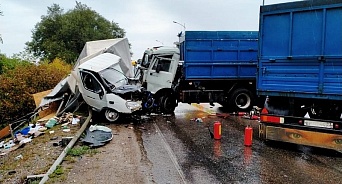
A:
x: 111, y: 115
x: 243, y: 101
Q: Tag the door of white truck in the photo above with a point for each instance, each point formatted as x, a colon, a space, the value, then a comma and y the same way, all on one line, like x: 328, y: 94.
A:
x: 161, y: 72
x: 92, y: 91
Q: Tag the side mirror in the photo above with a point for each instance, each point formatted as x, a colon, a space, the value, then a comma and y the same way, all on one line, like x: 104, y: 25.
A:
x: 100, y: 93
x: 158, y: 68
x: 139, y: 61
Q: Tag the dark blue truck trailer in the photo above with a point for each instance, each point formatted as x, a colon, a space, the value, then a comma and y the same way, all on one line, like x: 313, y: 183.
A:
x: 300, y: 72
x: 219, y: 66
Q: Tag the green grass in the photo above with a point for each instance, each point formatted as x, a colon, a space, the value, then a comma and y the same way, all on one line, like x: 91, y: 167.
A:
x: 81, y: 150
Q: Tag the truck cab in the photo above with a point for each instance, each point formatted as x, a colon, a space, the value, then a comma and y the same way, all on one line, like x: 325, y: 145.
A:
x: 157, y: 70
x: 152, y: 53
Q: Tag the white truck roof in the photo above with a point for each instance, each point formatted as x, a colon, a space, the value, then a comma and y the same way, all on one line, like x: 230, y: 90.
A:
x: 162, y: 50
x: 100, y: 62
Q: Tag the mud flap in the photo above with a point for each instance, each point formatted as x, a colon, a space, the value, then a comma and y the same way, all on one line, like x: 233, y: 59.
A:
x: 262, y: 131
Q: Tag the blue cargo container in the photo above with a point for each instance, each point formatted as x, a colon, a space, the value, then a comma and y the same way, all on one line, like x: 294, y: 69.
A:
x: 219, y: 66
x: 220, y: 54
x: 301, y: 50
x: 300, y: 70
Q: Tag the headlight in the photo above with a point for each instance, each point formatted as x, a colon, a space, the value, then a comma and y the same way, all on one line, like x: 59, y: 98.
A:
x: 133, y: 106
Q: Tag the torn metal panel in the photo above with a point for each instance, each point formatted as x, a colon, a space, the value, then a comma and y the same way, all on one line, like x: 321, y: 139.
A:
x: 56, y: 93
x: 92, y: 49
x: 119, y: 47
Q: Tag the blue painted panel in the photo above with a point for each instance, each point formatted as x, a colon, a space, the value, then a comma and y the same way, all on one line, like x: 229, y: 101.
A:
x: 333, y: 34
x: 225, y: 56
x: 220, y: 54
x: 223, y: 71
x: 198, y: 56
x: 275, y: 35
x: 307, y: 33
x: 225, y: 43
x: 248, y: 56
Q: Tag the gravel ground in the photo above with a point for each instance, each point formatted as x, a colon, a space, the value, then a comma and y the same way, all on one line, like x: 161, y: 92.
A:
x: 122, y: 160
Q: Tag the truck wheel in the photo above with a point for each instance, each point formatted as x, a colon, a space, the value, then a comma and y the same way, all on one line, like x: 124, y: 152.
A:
x: 167, y: 104
x: 240, y: 100
x: 111, y: 115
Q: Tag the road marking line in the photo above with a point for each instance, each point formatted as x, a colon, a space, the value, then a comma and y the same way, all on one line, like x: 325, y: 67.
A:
x: 170, y: 153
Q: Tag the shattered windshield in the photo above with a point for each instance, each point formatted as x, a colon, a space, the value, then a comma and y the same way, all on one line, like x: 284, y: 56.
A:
x: 114, y: 77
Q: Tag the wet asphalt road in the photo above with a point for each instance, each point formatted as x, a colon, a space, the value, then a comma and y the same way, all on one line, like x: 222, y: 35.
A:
x: 182, y: 151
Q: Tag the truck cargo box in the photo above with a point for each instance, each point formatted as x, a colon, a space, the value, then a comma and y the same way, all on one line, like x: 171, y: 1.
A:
x: 220, y: 54
x: 300, y: 50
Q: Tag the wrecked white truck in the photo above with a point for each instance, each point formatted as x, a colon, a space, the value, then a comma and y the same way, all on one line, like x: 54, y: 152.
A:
x: 102, y: 79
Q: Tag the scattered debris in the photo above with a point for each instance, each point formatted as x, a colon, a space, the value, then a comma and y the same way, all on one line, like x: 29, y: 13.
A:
x: 12, y: 172
x: 66, y: 130
x: 239, y: 113
x: 254, y: 117
x: 54, y: 138
x: 51, y: 123
x: 5, y: 131
x: 75, y: 120
x: 19, y: 157
x: 220, y: 115
x: 56, y: 143
x: 26, y: 134
x: 65, y: 141
x: 97, y: 135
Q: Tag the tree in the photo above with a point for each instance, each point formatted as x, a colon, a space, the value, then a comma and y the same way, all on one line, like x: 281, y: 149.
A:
x: 0, y: 34
x: 63, y: 35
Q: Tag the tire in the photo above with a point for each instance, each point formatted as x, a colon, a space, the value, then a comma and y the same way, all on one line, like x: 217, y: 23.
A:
x: 241, y: 100
x: 167, y: 104
x: 111, y: 115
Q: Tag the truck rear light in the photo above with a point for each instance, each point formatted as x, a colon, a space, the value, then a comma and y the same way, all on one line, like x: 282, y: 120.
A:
x: 301, y: 122
x: 270, y: 119
x: 336, y: 126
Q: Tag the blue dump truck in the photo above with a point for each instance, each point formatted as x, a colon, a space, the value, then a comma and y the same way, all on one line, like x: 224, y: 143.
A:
x: 207, y: 67
x: 300, y: 72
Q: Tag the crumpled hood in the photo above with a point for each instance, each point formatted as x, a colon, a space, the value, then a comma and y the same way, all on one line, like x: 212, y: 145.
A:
x: 126, y: 89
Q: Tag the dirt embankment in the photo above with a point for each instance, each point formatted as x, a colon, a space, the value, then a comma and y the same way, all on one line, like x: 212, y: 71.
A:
x: 122, y: 160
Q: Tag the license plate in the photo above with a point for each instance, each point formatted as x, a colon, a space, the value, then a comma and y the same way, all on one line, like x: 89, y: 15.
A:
x: 318, y: 124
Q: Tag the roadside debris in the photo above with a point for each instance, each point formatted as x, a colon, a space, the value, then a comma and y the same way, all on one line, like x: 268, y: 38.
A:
x: 28, y: 133
x: 19, y: 157
x: 199, y: 120
x: 97, y: 135
x: 219, y: 115
x: 65, y: 141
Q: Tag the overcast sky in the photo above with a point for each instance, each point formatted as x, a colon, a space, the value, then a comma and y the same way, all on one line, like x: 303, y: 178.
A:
x: 147, y: 22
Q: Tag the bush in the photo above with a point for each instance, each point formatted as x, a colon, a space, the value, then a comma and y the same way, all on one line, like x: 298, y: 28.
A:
x: 18, y: 85
x: 7, y: 64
